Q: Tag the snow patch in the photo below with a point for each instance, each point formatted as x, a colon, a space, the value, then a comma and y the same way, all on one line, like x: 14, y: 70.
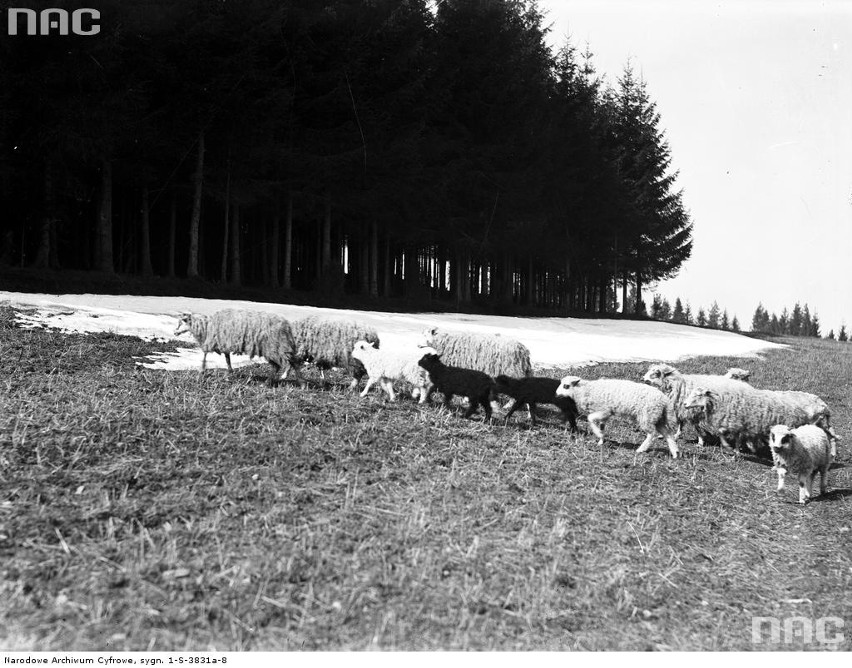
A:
x: 553, y: 342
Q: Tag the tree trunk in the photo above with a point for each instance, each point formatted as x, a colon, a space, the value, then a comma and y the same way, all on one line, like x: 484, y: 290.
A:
x: 172, y: 227
x: 288, y: 243
x: 145, y: 247
x: 388, y: 269
x: 274, y: 241
x: 638, y: 310
x: 374, y: 259
x: 195, y: 220
x: 42, y: 258
x: 103, y: 249
x: 530, y: 282
x: 326, y: 235
x: 235, y: 247
x: 624, y: 293
x: 227, y: 230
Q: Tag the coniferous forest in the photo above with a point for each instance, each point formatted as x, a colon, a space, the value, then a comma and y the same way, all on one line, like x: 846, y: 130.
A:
x: 439, y: 152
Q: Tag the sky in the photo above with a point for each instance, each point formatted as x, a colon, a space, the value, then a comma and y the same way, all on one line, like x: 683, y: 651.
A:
x: 755, y: 99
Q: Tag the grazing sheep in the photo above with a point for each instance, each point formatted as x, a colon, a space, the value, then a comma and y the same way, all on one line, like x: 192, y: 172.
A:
x: 677, y: 386
x: 251, y: 333
x: 536, y: 390
x: 803, y: 451
x: 490, y: 353
x: 601, y: 399
x: 328, y: 342
x: 736, y: 373
x: 384, y: 366
x: 477, y: 386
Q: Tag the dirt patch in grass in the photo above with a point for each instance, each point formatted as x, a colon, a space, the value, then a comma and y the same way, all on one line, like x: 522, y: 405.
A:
x: 148, y: 510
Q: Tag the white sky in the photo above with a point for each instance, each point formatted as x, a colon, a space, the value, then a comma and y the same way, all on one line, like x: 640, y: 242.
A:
x: 756, y: 103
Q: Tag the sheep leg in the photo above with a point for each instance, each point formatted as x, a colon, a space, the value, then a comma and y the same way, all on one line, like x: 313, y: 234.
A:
x: 486, y: 407
x: 664, y: 431
x: 782, y: 472
x: 805, y: 487
x: 272, y: 376
x: 424, y: 394
x: 512, y: 408
x: 823, y: 474
x: 448, y: 398
x: 649, y: 438
x: 597, y: 421
x: 204, y: 362
x: 473, y: 404
x: 370, y: 382
x: 531, y: 408
x: 388, y: 387
x: 228, y: 362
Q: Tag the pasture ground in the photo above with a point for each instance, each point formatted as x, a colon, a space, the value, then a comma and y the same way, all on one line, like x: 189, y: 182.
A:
x: 142, y: 509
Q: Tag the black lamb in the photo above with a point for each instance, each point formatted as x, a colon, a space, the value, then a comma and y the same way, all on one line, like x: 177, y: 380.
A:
x: 477, y: 386
x: 536, y: 390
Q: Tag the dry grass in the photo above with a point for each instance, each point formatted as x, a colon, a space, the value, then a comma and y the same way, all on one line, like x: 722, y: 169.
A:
x: 149, y: 510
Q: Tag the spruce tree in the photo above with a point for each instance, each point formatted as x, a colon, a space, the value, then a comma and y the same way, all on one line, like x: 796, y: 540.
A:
x: 713, y: 316
x: 701, y: 318
x: 678, y: 315
x: 735, y: 325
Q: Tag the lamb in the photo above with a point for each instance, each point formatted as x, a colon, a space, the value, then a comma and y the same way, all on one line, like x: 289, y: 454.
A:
x: 736, y: 373
x: 491, y: 354
x: 385, y: 366
x: 328, y: 342
x: 251, y: 333
x: 678, y: 385
x: 745, y: 414
x: 477, y: 386
x: 803, y: 451
x: 601, y: 399
x: 536, y: 390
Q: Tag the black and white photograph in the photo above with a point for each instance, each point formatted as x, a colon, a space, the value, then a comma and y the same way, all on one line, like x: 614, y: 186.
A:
x: 425, y: 325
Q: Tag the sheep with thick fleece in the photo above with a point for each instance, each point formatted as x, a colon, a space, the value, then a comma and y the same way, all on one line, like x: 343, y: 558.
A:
x: 677, y: 386
x: 745, y: 414
x: 536, y: 390
x: 252, y: 333
x: 386, y: 366
x: 601, y: 399
x: 328, y: 342
x: 476, y: 385
x: 803, y: 451
x: 490, y: 353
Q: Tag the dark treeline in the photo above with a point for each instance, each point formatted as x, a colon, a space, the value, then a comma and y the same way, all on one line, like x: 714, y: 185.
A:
x: 384, y: 148
x: 798, y: 322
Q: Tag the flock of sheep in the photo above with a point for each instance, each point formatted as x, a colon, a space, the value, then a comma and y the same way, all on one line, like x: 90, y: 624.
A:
x: 796, y: 426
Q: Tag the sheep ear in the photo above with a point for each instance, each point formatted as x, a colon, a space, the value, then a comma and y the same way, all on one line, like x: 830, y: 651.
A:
x: 375, y: 345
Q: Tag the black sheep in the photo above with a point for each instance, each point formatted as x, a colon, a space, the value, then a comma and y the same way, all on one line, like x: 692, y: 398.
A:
x: 536, y: 390
x: 477, y: 386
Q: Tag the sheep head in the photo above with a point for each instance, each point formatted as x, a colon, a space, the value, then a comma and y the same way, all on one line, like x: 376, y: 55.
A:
x: 428, y: 337
x: 736, y: 373
x: 780, y: 438
x: 184, y: 323
x: 567, y: 385
x: 361, y: 349
x: 659, y: 375
x: 430, y: 360
x: 700, y: 399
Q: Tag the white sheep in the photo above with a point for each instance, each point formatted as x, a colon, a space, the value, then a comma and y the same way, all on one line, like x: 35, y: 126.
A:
x: 803, y: 451
x: 386, y: 366
x: 601, y: 399
x: 251, y: 333
x: 677, y: 386
x: 744, y: 414
x: 493, y: 354
x: 328, y: 342
x: 817, y: 410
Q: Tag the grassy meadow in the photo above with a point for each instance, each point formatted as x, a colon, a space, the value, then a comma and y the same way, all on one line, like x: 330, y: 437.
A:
x: 157, y: 510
